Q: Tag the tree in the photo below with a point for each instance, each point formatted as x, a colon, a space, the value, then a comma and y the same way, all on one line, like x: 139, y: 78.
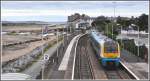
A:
x: 143, y: 22
x: 123, y: 22
x: 132, y: 20
x: 119, y: 20
x: 100, y: 22
x: 127, y: 23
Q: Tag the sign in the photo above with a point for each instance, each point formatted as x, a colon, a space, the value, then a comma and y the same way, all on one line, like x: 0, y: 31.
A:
x: 46, y: 57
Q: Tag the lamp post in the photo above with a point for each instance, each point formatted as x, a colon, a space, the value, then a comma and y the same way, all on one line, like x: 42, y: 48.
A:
x: 113, y: 18
x: 106, y: 30
x: 138, y: 41
x: 121, y: 38
x: 67, y: 33
x: 57, y: 45
x: 63, y: 36
x: 42, y: 54
x: 42, y: 39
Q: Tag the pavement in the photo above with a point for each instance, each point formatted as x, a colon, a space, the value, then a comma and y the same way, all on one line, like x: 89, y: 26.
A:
x: 137, y: 65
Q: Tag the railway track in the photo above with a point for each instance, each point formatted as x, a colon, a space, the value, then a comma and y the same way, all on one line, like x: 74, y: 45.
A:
x: 84, y: 69
x: 118, y: 73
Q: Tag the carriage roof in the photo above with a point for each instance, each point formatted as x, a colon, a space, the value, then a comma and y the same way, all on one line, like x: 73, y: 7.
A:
x: 99, y: 37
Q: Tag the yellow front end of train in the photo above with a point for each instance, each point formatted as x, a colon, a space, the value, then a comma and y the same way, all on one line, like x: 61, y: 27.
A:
x: 110, y: 53
x: 107, y: 50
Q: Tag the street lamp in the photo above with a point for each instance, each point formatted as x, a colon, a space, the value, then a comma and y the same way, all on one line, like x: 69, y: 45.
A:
x: 106, y: 30
x: 113, y: 18
x: 121, y: 38
x: 63, y: 35
x: 67, y: 33
x: 138, y: 42
x: 42, y: 54
x: 57, y: 45
x: 42, y: 38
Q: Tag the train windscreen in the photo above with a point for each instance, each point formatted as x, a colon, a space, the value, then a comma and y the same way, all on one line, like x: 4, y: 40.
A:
x: 110, y: 47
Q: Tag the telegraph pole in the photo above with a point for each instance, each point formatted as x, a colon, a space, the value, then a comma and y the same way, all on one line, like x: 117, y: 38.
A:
x: 138, y: 42
x: 63, y: 36
x: 113, y: 18
x: 57, y: 46
x: 43, y: 55
x: 67, y: 32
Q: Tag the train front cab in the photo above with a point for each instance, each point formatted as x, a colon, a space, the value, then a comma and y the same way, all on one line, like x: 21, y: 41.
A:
x: 111, y: 55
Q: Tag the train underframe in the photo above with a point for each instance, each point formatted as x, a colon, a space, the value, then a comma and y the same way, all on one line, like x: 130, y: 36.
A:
x: 110, y: 62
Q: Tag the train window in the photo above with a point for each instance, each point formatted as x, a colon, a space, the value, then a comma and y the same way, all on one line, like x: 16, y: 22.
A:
x: 110, y: 47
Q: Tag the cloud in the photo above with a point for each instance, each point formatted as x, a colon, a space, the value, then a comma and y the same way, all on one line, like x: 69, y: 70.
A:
x: 68, y: 4
x: 58, y: 12
x: 65, y: 13
x: 26, y: 9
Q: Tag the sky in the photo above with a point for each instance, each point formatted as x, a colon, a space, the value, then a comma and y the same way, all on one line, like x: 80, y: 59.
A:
x: 57, y: 11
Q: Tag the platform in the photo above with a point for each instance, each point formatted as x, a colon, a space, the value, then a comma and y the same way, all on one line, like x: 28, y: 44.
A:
x: 64, y: 63
x: 135, y: 64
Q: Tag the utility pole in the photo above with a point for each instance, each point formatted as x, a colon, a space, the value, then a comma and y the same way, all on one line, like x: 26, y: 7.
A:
x: 113, y: 19
x: 42, y: 40
x: 43, y: 55
x: 70, y: 28
x: 138, y: 42
x: 63, y: 36
x: 121, y: 37
x: 67, y: 33
x: 107, y: 29
x: 57, y: 45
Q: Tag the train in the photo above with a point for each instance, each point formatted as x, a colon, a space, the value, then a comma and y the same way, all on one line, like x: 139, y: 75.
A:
x: 107, y: 50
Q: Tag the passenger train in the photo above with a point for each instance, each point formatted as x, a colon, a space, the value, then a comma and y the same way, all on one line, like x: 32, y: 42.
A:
x: 107, y: 50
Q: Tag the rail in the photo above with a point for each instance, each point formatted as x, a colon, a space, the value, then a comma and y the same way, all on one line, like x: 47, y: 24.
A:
x: 82, y: 63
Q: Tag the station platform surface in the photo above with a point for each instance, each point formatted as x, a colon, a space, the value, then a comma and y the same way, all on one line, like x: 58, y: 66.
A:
x: 139, y: 69
x: 137, y: 65
x: 65, y: 60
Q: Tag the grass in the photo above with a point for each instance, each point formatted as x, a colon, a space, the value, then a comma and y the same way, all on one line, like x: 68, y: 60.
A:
x: 12, y: 33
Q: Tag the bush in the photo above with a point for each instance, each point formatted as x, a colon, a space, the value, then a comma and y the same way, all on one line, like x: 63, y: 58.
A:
x: 130, y: 46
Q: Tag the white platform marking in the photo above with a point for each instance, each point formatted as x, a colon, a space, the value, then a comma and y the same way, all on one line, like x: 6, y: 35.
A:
x: 64, y: 63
